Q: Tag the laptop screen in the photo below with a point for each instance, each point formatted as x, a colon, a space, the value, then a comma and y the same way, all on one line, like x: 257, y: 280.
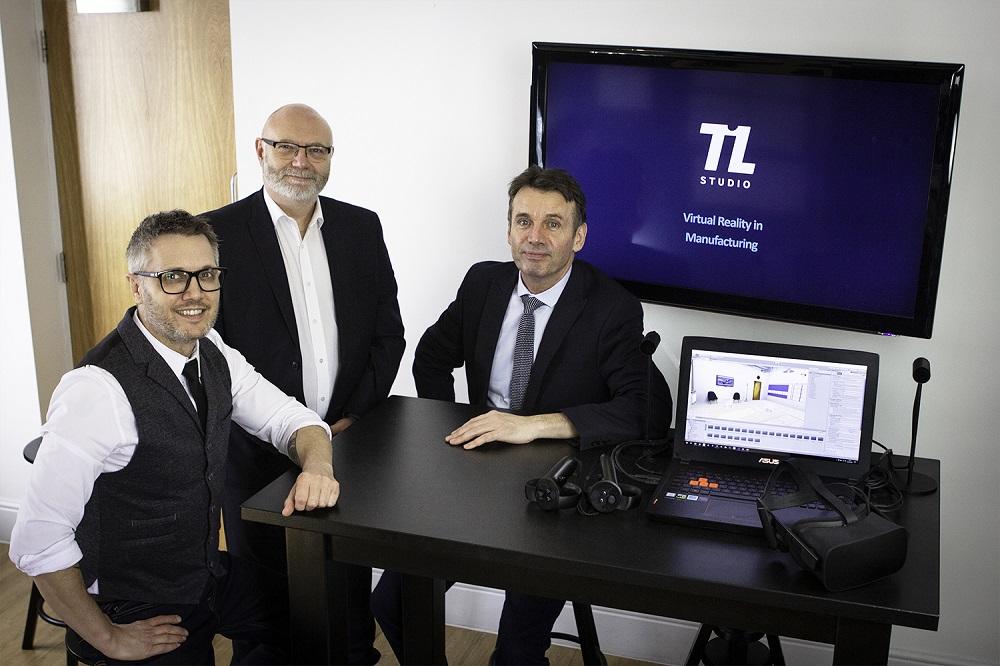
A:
x: 755, y: 403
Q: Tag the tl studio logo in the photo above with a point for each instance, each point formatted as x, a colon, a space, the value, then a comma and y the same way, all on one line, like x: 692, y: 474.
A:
x: 741, y: 137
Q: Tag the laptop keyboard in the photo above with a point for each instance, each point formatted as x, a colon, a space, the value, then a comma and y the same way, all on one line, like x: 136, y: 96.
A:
x: 733, y: 485
x: 697, y: 481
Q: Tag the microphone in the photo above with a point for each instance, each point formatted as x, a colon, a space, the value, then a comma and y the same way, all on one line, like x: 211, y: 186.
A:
x: 917, y: 483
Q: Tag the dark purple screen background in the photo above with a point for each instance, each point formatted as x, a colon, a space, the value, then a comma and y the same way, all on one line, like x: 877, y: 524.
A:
x: 840, y: 186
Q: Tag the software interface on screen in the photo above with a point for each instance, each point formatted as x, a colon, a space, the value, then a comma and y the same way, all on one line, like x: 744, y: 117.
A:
x: 775, y: 405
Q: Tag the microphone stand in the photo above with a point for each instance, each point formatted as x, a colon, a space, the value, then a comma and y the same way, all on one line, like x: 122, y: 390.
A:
x: 649, y: 344
x: 655, y: 446
x: 917, y: 483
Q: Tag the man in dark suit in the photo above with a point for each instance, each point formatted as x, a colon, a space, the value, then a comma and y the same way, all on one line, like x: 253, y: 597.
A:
x: 553, y: 345
x: 310, y: 300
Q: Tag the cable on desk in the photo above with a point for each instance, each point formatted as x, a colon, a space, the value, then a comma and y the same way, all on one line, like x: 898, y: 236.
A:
x: 879, y: 484
x: 643, y: 468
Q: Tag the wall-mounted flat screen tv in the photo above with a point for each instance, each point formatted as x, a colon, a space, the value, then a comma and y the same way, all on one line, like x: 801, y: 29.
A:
x: 798, y: 188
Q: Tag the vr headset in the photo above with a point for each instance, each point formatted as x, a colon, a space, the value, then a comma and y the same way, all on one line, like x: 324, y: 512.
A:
x: 857, y: 548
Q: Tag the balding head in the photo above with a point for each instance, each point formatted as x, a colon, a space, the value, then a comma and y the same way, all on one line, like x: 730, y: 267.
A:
x: 298, y: 118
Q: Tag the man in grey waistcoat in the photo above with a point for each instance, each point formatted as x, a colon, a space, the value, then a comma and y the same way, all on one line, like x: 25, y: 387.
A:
x: 120, y: 525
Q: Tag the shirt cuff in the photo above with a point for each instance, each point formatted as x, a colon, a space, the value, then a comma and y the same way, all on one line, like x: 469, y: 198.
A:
x: 56, y: 558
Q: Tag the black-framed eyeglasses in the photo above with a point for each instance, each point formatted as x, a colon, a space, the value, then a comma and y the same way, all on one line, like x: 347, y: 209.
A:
x: 287, y: 150
x: 177, y: 281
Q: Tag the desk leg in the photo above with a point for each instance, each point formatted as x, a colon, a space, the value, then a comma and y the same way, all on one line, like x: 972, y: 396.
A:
x: 317, y: 600
x: 423, y: 620
x: 861, y: 642
x: 590, y: 645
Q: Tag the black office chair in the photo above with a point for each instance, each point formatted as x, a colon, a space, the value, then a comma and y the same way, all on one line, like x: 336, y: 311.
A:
x: 736, y: 397
x: 36, y: 604
x: 734, y: 647
x: 712, y: 397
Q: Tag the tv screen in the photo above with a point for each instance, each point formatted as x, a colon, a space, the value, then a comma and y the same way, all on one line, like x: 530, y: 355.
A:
x: 800, y: 188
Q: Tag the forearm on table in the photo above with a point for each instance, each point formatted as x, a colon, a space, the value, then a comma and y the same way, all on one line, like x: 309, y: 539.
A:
x: 310, y: 449
x: 552, y: 426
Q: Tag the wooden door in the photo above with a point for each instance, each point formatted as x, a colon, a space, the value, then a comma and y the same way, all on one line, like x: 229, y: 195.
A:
x: 142, y: 117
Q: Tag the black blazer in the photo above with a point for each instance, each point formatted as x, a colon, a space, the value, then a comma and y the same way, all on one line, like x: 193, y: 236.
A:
x: 588, y: 364
x: 256, y: 315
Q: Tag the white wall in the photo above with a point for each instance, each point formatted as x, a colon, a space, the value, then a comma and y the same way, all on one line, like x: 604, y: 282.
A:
x: 429, y: 105
x: 34, y: 331
x: 18, y: 371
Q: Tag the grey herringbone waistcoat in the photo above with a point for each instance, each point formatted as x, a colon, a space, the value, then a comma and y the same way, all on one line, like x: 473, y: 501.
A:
x: 150, y: 531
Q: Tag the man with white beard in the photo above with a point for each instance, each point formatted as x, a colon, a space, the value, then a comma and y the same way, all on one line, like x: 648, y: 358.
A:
x: 310, y: 300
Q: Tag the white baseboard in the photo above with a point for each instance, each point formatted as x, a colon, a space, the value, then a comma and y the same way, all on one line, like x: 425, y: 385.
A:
x: 647, y: 637
x: 8, y: 514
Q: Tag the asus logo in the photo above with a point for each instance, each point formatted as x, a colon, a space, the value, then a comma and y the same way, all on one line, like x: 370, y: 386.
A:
x: 769, y: 461
x: 719, y: 133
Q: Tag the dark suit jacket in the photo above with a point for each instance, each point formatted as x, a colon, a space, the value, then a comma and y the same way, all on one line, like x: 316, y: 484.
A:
x: 256, y: 315
x: 588, y: 364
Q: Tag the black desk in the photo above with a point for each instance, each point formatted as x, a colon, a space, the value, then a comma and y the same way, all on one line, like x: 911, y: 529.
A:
x: 414, y: 504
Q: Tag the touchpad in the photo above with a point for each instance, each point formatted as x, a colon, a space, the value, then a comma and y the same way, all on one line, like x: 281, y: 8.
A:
x: 722, y: 508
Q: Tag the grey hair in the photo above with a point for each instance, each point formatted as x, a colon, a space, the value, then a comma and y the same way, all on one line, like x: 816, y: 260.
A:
x: 178, y: 222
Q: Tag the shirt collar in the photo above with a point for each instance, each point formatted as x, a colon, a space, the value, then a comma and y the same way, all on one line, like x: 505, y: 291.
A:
x: 276, y: 212
x: 551, y: 295
x: 175, y: 361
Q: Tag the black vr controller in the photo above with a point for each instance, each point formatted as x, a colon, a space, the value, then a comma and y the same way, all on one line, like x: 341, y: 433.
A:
x: 606, y: 494
x: 554, y: 491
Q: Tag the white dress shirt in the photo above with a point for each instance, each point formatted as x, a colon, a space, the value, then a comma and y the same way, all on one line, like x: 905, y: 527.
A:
x: 503, y: 357
x: 90, y: 430
x: 309, y: 283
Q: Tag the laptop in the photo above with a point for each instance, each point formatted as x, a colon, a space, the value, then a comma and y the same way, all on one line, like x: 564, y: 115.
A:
x: 743, y: 406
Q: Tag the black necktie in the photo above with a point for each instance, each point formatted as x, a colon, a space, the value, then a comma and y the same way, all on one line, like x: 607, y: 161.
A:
x: 524, y: 351
x: 197, y: 390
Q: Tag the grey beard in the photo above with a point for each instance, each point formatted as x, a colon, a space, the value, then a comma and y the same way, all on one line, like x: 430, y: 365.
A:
x: 300, y: 194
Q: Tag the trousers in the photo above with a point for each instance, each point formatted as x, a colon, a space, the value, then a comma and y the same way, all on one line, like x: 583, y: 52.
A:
x: 265, y: 546
x: 523, y: 637
x: 241, y: 605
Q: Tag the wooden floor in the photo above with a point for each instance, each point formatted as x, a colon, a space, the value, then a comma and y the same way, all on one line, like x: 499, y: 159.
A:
x: 463, y: 646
